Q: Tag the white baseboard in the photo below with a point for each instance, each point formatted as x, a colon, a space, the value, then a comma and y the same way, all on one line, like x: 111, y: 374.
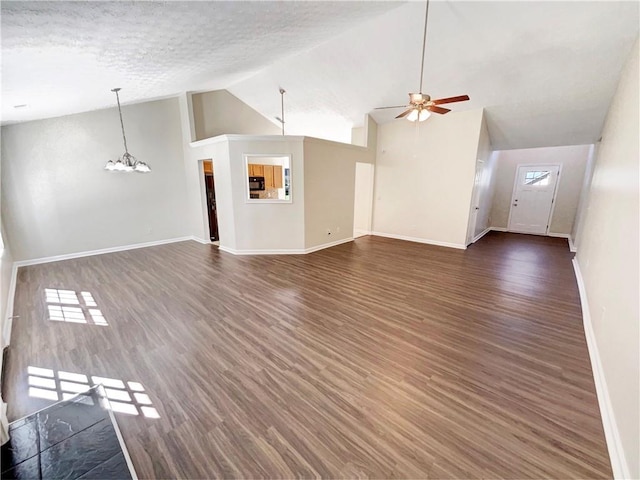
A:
x: 328, y: 245
x: 285, y: 251
x: 275, y: 251
x: 614, y: 444
x: 572, y: 247
x: 69, y: 256
x: 6, y: 332
x: 420, y: 240
x: 361, y: 233
x: 480, y: 235
x: 558, y: 235
x: 550, y: 234
x: 200, y: 240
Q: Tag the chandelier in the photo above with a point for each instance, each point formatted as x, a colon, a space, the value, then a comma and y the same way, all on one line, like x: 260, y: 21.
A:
x: 126, y: 163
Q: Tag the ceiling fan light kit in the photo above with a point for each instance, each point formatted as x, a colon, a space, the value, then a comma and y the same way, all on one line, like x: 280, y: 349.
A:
x: 418, y: 115
x: 420, y: 104
x: 127, y: 163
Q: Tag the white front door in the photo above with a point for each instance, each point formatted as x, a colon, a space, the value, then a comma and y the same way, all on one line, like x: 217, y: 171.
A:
x: 532, y: 198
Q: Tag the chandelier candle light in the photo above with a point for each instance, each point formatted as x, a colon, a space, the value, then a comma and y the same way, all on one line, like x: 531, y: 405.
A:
x: 126, y: 163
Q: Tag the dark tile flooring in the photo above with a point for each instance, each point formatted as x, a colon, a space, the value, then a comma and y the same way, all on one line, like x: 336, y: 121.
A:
x: 71, y: 439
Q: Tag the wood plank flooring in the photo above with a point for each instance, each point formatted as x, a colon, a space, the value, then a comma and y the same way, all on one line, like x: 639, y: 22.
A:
x: 378, y: 358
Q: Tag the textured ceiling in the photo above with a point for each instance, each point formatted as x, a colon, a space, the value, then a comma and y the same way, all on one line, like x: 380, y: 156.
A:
x: 544, y: 71
x: 64, y: 57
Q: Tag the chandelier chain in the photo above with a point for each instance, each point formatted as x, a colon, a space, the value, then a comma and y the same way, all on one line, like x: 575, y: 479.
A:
x: 124, y: 137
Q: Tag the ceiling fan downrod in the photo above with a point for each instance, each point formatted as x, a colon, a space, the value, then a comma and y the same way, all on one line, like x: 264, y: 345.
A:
x: 424, y: 45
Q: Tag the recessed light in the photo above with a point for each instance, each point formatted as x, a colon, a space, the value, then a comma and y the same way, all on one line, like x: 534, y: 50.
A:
x: 20, y: 106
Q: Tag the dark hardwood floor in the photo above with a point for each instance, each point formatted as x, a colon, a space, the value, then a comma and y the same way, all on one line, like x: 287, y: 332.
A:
x: 377, y: 358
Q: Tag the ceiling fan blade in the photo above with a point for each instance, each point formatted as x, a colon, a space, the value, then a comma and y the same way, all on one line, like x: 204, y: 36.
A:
x: 397, y: 106
x: 433, y: 108
x: 405, y: 113
x: 459, y: 98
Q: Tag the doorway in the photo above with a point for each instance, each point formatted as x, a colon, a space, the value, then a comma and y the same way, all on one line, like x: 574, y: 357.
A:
x: 475, y: 202
x: 533, y: 198
x: 210, y: 190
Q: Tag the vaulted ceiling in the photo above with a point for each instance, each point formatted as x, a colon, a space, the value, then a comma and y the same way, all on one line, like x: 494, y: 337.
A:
x: 61, y: 57
x: 545, y: 72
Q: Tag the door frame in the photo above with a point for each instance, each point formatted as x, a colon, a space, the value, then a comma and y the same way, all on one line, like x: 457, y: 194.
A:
x: 475, y: 195
x: 204, y: 202
x: 369, y: 200
x: 553, y: 198
x: 212, y: 214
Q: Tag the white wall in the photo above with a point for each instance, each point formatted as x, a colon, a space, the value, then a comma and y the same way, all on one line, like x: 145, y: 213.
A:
x: 248, y: 227
x: 6, y: 296
x: 57, y: 199
x: 584, y: 194
x: 371, y: 134
x: 366, y: 135
x: 210, y: 115
x: 424, y: 177
x: 268, y: 226
x: 608, y: 259
x: 573, y: 160
x: 322, y: 189
x: 358, y: 136
x: 219, y: 112
x: 6, y: 267
x: 363, y: 201
x: 194, y: 211
x: 218, y: 153
x: 486, y: 187
x: 330, y: 177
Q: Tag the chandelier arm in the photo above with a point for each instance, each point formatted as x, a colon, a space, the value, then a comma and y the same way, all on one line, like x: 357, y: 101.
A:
x: 424, y: 44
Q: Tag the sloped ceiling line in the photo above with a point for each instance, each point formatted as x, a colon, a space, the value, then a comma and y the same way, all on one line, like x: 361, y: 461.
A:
x: 545, y: 72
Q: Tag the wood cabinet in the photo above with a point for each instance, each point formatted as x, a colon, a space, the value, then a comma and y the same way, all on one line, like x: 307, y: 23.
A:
x: 256, y: 170
x: 272, y: 174
x: 277, y: 176
x: 268, y: 176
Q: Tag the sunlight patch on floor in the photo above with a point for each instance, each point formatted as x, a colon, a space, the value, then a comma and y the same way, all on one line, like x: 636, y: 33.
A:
x: 73, y: 307
x: 123, y: 397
